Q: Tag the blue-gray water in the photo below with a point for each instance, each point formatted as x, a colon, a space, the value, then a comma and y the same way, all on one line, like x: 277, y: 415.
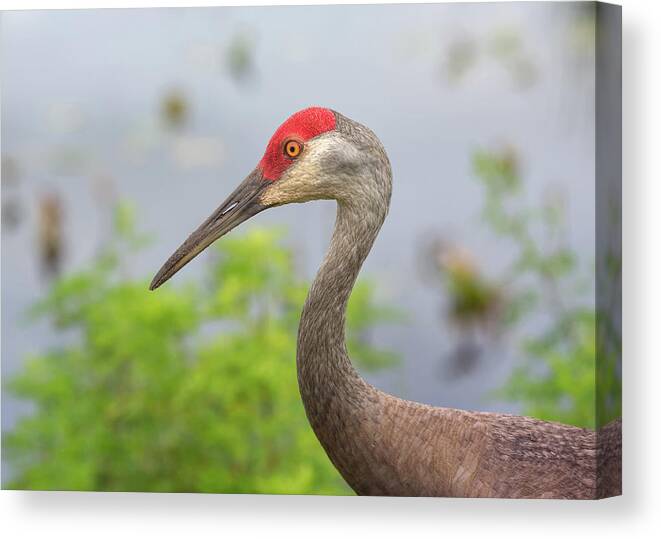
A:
x: 80, y: 100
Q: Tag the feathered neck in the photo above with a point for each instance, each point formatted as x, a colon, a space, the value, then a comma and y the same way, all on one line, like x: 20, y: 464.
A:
x: 334, y: 395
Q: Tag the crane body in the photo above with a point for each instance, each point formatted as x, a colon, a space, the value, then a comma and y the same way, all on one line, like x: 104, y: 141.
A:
x: 381, y: 444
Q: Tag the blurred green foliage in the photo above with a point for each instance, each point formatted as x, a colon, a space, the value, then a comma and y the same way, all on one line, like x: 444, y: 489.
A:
x: 556, y: 381
x: 240, y: 56
x: 505, y: 45
x: 188, y: 389
x: 175, y: 109
x: 472, y: 296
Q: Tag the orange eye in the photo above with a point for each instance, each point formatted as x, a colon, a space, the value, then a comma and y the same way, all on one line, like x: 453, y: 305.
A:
x: 293, y: 148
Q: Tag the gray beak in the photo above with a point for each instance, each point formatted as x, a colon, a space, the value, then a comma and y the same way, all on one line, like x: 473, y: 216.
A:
x: 240, y: 206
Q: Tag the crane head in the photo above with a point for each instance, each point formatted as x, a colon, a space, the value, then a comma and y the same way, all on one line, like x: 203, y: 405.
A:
x: 309, y: 157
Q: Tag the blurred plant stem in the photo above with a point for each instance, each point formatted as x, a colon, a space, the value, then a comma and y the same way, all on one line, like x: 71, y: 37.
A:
x: 50, y: 238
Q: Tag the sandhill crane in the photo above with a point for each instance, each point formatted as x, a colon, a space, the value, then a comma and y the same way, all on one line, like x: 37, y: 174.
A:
x: 383, y: 445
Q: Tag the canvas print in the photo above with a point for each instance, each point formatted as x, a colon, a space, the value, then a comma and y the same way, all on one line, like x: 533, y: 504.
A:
x: 334, y: 250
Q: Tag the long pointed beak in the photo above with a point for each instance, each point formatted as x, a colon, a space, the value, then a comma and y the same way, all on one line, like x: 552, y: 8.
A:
x: 240, y: 206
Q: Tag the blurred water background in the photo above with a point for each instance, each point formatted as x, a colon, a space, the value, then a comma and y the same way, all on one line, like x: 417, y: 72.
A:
x: 171, y: 108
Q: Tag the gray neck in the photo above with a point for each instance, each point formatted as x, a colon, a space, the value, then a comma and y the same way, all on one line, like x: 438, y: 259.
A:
x: 328, y: 382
